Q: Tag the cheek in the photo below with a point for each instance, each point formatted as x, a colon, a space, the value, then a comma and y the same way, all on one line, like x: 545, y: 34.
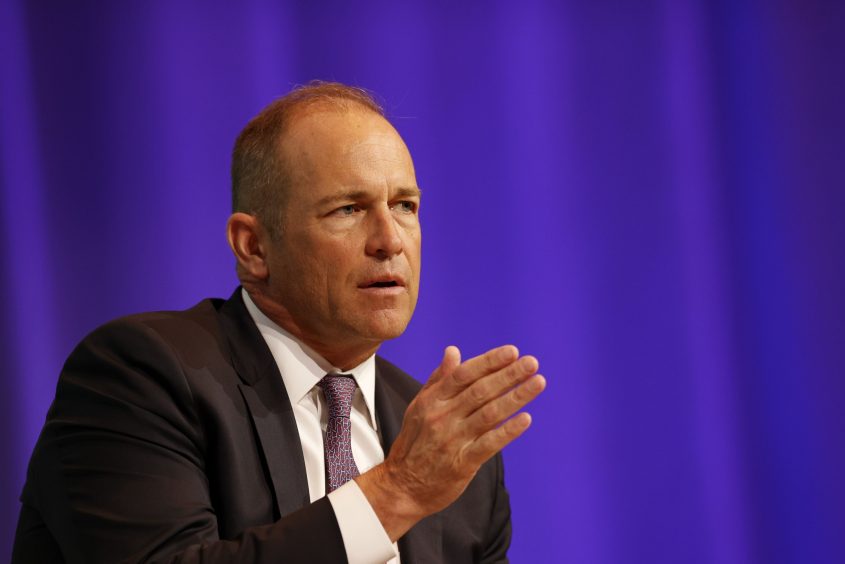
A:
x: 409, y: 227
x: 303, y: 275
x: 334, y: 273
x: 414, y: 250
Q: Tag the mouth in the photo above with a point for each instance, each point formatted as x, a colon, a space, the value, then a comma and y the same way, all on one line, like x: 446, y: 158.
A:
x: 386, y: 282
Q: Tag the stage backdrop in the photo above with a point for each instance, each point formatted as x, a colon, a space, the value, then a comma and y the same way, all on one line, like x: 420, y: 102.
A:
x: 648, y: 196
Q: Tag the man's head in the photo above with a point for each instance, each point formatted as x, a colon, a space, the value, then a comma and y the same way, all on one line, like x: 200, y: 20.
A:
x: 326, y: 232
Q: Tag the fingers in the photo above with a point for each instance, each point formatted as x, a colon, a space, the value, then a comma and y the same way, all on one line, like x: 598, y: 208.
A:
x: 466, y: 413
x: 496, y: 439
x: 477, y: 367
x: 496, y: 384
x: 493, y: 413
x: 451, y: 360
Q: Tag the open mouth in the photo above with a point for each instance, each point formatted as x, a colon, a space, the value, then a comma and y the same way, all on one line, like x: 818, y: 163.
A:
x: 385, y: 284
x: 383, y: 281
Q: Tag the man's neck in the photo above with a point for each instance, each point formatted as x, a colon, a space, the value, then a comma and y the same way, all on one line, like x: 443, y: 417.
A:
x: 342, y: 355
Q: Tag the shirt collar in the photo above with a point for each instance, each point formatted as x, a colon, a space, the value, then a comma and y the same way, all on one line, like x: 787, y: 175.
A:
x: 302, y: 367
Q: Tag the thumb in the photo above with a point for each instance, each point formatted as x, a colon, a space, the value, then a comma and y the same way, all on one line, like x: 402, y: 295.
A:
x: 451, y: 360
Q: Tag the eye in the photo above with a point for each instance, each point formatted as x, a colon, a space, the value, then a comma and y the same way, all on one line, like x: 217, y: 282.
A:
x: 346, y: 210
x: 405, y: 206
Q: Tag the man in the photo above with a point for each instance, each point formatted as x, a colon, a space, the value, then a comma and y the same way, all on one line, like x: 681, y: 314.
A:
x: 213, y: 434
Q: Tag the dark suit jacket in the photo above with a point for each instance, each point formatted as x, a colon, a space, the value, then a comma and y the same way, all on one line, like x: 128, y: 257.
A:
x: 172, y: 439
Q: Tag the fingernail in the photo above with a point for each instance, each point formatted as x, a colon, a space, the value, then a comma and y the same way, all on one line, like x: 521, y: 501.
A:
x: 508, y: 353
x: 525, y: 419
x: 537, y: 383
x: 528, y: 363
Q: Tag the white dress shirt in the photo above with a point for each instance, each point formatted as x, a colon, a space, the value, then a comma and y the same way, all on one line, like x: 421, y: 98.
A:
x: 364, y: 538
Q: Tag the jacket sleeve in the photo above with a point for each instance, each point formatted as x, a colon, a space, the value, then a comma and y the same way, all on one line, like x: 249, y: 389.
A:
x: 118, y: 474
x: 499, y: 533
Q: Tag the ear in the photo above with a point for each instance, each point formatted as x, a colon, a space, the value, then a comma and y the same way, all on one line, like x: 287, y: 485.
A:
x: 246, y: 238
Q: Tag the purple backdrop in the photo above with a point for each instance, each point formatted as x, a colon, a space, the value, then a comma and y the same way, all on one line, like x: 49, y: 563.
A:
x: 648, y: 196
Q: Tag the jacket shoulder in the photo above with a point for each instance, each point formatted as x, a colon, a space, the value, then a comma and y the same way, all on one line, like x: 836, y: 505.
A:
x: 203, y: 314
x: 186, y: 333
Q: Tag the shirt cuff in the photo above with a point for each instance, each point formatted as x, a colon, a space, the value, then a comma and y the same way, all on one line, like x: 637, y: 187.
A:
x: 364, y: 537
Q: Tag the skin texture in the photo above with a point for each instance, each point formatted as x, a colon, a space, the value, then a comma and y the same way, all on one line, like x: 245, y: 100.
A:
x: 351, y: 219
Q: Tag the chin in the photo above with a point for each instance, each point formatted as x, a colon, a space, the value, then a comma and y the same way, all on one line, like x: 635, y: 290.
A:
x: 383, y: 326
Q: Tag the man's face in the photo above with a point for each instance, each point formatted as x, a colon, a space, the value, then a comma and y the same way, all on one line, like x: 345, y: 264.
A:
x: 346, y: 266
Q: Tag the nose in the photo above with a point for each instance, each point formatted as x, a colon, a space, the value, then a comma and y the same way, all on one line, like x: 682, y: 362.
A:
x: 383, y: 237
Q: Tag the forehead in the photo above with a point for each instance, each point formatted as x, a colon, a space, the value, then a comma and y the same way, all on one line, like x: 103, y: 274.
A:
x: 339, y: 148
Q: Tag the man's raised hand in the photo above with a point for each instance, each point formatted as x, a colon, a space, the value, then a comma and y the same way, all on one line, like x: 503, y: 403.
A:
x: 460, y: 418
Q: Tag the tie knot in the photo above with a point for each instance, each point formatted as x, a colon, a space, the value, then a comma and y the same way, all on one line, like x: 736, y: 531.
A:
x: 338, y: 389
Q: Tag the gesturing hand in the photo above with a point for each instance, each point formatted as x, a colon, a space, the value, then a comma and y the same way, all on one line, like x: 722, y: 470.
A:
x: 460, y: 418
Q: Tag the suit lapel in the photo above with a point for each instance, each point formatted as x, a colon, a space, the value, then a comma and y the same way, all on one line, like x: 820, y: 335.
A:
x: 269, y: 407
x: 423, y: 543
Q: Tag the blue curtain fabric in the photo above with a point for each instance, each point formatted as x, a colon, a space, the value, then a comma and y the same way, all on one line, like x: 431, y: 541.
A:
x: 648, y: 196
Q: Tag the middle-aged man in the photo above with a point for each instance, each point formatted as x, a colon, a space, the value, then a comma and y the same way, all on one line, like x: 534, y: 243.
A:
x: 214, y: 434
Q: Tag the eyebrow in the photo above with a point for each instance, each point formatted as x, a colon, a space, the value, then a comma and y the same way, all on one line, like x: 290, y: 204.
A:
x: 409, y: 191
x: 403, y: 192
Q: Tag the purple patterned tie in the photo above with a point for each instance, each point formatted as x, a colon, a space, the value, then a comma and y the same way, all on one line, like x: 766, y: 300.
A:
x: 340, y: 466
